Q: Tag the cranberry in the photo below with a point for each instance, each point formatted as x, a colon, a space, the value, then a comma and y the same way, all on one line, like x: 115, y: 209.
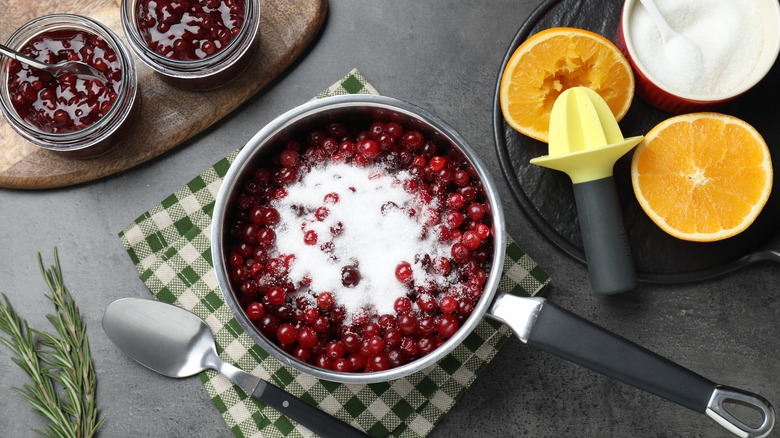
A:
x: 266, y: 236
x: 460, y: 253
x: 255, y: 311
x: 412, y: 140
x: 67, y: 103
x: 276, y: 295
x: 286, y: 334
x: 461, y: 178
x: 372, y: 346
x: 403, y: 272
x: 368, y: 148
x: 409, y: 346
x: 437, y: 163
x: 288, y: 158
x: 321, y: 324
x: 402, y: 305
x: 456, y: 201
x: 448, y: 304
x: 446, y: 325
x: 321, y: 214
x: 356, y: 361
x: 351, y: 342
x: 471, y: 240
x: 465, y: 307
x: 394, y: 130
x: 426, y: 303
x: 371, y: 329
x: 336, y: 349
x: 426, y: 326
x: 378, y: 363
x: 325, y: 300
x: 453, y: 218
x: 395, y: 358
x: 392, y: 338
x: 331, y: 198
x: 235, y: 259
x: 268, y: 325
x: 426, y: 345
x: 189, y: 31
x: 386, y: 321
x: 307, y: 337
x: 475, y: 211
x: 407, y: 324
x: 337, y: 228
x: 310, y: 237
x: 441, y: 266
x: 336, y: 130
x: 347, y: 148
x: 342, y: 365
x: 303, y: 354
x: 376, y: 129
x: 350, y: 276
x: 324, y: 362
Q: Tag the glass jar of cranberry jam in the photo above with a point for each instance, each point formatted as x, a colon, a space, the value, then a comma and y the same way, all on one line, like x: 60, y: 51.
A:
x: 74, y: 114
x: 193, y: 44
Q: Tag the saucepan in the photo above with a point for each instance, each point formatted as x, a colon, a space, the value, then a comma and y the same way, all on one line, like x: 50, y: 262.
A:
x: 535, y: 321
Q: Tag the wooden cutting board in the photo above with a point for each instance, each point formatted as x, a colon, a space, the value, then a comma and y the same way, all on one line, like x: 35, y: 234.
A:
x: 168, y: 115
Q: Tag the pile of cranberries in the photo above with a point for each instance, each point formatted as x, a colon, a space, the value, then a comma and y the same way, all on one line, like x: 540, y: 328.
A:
x: 188, y: 30
x: 69, y: 102
x: 312, y: 325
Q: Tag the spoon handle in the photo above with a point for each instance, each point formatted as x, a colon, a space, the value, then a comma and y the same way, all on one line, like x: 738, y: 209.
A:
x: 7, y: 51
x: 658, y: 18
x: 311, y: 417
x: 319, y: 422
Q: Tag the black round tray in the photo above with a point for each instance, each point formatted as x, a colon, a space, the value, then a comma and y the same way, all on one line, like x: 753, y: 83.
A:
x: 546, y: 197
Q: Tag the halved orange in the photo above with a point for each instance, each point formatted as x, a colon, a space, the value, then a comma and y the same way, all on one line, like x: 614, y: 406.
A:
x: 553, y: 60
x: 702, y: 176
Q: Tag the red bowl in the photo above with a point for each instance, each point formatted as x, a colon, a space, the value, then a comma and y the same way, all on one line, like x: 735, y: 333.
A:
x: 661, y: 96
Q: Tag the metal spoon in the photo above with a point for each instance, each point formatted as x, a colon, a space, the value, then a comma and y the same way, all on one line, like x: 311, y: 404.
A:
x: 176, y: 343
x: 73, y: 67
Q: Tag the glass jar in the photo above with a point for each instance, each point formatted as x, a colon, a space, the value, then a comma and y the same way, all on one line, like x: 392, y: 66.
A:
x: 202, y: 72
x: 85, y: 134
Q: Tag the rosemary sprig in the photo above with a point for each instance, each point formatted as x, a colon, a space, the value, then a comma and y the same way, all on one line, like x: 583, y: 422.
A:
x: 63, y: 379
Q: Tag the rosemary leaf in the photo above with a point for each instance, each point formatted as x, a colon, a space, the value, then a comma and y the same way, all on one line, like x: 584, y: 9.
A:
x: 63, y: 379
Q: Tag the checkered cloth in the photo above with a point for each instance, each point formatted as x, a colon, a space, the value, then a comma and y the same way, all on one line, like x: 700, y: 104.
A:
x: 170, y: 246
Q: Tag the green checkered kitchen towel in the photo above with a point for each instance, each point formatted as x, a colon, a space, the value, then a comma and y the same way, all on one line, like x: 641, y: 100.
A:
x: 170, y: 246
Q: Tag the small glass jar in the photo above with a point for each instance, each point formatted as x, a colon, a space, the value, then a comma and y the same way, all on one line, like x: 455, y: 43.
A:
x: 81, y: 139
x: 207, y: 71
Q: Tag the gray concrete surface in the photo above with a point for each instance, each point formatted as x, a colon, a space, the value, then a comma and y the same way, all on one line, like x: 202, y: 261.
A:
x: 444, y: 56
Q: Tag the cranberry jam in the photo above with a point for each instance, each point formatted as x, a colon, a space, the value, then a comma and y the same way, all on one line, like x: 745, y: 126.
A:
x: 189, y: 30
x: 360, y: 248
x: 67, y: 103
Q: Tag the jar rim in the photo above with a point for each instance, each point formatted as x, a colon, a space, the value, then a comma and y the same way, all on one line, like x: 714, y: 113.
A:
x: 83, y: 138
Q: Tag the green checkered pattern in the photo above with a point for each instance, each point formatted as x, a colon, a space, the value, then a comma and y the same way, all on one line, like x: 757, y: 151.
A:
x: 170, y: 246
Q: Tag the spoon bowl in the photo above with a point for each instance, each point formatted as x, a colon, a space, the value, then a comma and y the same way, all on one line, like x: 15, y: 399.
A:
x: 176, y: 343
x: 77, y: 68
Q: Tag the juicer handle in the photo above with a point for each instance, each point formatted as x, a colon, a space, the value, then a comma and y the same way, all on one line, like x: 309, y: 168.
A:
x: 607, y: 253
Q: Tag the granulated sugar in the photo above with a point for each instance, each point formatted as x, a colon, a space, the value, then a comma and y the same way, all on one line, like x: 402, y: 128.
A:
x: 728, y: 32
x: 377, y: 233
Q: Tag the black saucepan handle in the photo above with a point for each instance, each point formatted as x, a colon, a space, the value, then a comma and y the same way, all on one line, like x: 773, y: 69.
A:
x: 577, y: 340
x: 542, y: 324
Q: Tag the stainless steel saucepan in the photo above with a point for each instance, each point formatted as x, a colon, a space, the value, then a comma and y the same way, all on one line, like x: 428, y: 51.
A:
x: 536, y: 321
